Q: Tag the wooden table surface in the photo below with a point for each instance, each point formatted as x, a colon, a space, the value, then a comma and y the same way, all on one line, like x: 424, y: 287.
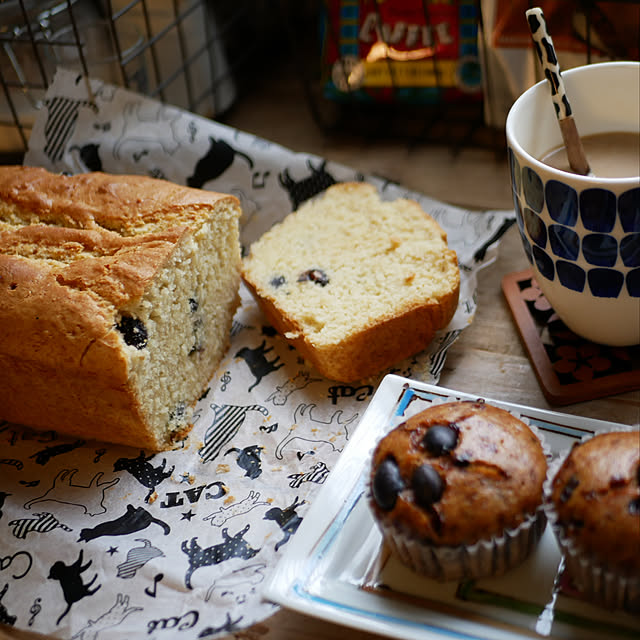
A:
x: 489, y: 359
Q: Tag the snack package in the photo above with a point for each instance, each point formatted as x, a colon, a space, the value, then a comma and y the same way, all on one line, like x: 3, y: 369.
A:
x: 411, y: 51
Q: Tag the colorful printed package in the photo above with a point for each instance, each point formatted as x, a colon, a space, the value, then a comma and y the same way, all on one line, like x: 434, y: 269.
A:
x: 415, y: 51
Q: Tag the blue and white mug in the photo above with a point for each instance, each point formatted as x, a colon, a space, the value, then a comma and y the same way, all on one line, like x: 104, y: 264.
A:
x: 581, y: 234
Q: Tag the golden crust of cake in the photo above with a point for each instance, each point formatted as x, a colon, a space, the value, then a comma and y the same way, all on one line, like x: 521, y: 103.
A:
x: 457, y: 473
x: 596, y: 498
x: 355, y: 283
x: 86, y: 262
x: 125, y: 204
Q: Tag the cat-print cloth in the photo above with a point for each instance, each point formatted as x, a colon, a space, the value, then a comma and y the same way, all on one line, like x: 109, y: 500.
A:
x: 100, y: 541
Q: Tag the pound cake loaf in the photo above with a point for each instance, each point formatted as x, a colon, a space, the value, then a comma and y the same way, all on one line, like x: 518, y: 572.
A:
x: 595, y: 513
x: 457, y: 490
x: 355, y: 283
x: 117, y: 295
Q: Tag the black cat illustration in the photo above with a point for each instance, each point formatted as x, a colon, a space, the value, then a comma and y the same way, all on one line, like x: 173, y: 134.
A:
x: 301, y: 190
x: 62, y: 115
x: 64, y: 490
x: 247, y: 577
x: 317, y: 474
x: 282, y: 392
x: 481, y: 252
x: 89, y: 156
x: 287, y: 519
x: 108, y: 620
x: 5, y: 616
x: 311, y: 429
x: 70, y: 578
x: 144, y: 472
x: 248, y: 459
x: 148, y: 128
x: 137, y: 557
x: 228, y: 419
x: 215, y: 162
x: 41, y: 523
x: 132, y: 520
x: 231, y: 547
x: 258, y: 363
x: 235, y: 509
x: 43, y: 456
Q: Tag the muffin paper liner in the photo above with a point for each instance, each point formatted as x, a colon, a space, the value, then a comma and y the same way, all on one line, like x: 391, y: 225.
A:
x: 605, y: 587
x: 484, y: 558
x: 491, y: 557
x: 596, y: 583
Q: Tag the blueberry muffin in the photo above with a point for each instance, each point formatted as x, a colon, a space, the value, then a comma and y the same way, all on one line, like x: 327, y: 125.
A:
x: 457, y: 490
x: 595, y: 500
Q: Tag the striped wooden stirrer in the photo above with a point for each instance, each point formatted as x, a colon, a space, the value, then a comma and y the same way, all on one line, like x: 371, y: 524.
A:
x: 547, y: 55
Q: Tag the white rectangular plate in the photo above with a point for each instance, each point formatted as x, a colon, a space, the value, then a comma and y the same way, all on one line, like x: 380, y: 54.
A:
x: 336, y: 567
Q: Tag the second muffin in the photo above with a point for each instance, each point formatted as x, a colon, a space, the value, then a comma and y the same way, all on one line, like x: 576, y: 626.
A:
x: 595, y: 500
x: 458, y: 490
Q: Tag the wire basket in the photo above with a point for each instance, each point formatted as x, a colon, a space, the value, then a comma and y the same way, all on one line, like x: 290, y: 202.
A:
x: 173, y: 50
x: 357, y: 84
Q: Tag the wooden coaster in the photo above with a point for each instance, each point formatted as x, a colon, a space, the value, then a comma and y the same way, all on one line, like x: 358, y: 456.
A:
x: 569, y: 368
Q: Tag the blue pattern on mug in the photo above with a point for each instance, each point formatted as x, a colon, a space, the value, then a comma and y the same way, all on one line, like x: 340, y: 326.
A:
x: 562, y: 202
x: 600, y: 249
x: 605, y: 283
x: 544, y: 263
x: 571, y: 275
x: 629, y: 210
x: 535, y: 228
x: 514, y: 166
x: 533, y: 189
x: 633, y: 283
x: 519, y: 217
x: 598, y: 209
x: 565, y: 242
x: 630, y: 250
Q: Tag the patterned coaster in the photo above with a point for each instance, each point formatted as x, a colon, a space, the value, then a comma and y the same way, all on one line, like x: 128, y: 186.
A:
x: 569, y: 368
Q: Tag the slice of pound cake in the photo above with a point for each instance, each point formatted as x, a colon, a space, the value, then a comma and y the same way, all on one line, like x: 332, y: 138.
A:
x: 355, y: 283
x: 117, y: 295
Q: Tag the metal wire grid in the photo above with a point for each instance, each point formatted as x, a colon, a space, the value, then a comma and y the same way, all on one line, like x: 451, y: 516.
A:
x: 172, y: 50
x: 457, y: 124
